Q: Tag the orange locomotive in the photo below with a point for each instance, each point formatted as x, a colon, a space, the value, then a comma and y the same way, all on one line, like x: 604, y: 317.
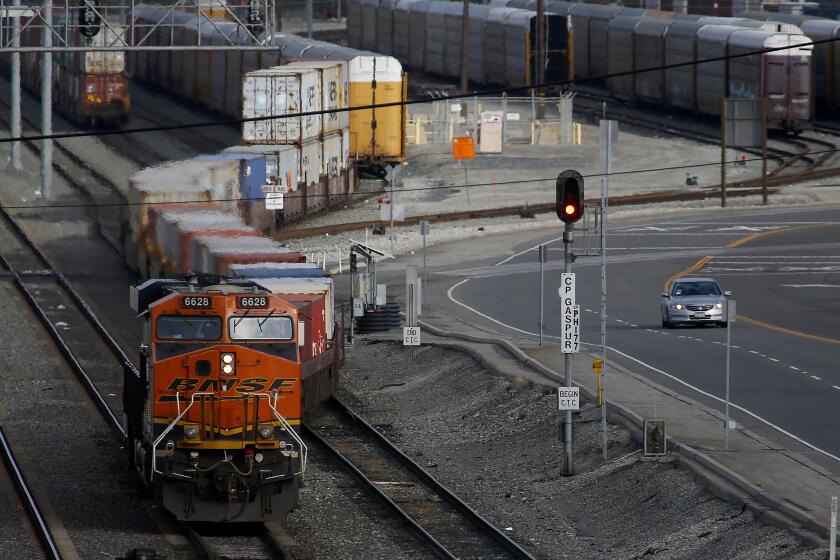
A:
x: 212, y: 415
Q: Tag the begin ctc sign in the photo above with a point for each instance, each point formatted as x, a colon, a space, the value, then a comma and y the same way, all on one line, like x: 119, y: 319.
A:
x: 568, y: 398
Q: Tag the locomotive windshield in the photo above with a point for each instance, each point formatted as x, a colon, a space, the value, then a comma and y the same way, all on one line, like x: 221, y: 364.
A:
x: 261, y: 328
x: 188, y: 327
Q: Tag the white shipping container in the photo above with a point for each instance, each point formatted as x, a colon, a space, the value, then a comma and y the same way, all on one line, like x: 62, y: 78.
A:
x: 280, y: 91
x: 335, y: 91
x: 311, y: 167
x: 111, y: 62
x: 333, y: 154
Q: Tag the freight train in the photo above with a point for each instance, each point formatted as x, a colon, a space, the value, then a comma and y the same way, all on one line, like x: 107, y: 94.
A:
x: 604, y: 40
x: 240, y: 340
x: 638, y: 39
x: 376, y: 137
x: 426, y: 35
x: 88, y: 87
x: 213, y: 413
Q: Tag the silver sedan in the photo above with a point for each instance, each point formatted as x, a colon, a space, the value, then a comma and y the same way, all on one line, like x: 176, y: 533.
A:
x: 694, y: 301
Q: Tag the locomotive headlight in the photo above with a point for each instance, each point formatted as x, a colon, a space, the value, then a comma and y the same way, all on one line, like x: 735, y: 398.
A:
x: 266, y: 432
x: 191, y: 432
x: 228, y: 360
x: 258, y: 457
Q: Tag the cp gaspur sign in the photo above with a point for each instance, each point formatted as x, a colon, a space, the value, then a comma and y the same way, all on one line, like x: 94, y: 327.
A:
x: 570, y: 315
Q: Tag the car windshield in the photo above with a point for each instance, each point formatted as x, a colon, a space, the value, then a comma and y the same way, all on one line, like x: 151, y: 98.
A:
x: 185, y: 327
x: 261, y: 328
x: 696, y: 289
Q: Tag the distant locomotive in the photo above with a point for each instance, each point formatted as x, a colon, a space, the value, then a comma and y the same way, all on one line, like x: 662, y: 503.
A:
x: 88, y: 87
x: 213, y: 418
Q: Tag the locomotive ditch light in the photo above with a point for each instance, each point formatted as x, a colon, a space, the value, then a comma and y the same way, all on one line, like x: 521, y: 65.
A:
x: 266, y: 432
x: 191, y: 431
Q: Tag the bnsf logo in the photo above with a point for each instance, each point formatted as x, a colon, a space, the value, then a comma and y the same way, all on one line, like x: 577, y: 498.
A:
x: 250, y: 385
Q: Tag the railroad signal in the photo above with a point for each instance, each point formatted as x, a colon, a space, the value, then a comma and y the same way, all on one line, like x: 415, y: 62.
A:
x: 569, y: 198
x: 90, y: 22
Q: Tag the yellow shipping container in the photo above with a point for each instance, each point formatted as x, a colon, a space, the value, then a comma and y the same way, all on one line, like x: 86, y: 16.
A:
x: 377, y: 135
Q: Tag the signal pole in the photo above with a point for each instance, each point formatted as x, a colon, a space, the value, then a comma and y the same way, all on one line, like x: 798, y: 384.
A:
x: 568, y: 239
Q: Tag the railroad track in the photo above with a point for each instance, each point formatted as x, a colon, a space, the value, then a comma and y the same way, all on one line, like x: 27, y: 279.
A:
x: 450, y: 527
x: 36, y: 517
x: 94, y: 356
x: 258, y: 544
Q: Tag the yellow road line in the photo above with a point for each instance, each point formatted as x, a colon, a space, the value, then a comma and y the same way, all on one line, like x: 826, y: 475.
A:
x: 756, y: 322
x: 759, y: 234
x: 785, y: 330
x: 689, y: 270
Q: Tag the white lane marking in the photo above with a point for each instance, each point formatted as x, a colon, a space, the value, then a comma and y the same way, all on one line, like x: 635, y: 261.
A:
x: 650, y: 330
x: 747, y: 272
x: 634, y: 325
x: 810, y: 285
x: 772, y: 359
x: 737, y: 347
x: 836, y: 387
x: 718, y: 260
x: 747, y: 228
x: 534, y: 248
x: 662, y: 248
x: 619, y: 321
x: 817, y: 378
x: 753, y: 352
x: 794, y: 368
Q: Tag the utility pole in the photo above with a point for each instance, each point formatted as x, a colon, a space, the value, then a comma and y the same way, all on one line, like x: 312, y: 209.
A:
x: 309, y: 10
x: 465, y: 47
x: 729, y: 313
x: 14, y: 156
x: 543, y: 250
x: 46, y: 104
x: 764, y: 152
x: 609, y: 132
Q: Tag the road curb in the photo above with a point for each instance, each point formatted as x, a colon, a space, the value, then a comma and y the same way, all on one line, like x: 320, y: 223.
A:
x: 721, y: 480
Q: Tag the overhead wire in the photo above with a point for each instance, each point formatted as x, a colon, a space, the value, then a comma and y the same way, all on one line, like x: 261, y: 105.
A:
x: 408, y: 102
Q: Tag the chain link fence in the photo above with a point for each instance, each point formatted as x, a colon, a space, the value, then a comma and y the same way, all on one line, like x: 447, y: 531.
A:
x: 496, y: 122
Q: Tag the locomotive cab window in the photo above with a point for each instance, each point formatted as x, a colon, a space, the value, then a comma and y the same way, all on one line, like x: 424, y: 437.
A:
x: 261, y: 328
x: 188, y: 327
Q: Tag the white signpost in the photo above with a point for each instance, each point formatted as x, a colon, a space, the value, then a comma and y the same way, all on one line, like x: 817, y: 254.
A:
x: 411, y: 336
x: 568, y: 398
x: 273, y: 199
x: 570, y: 325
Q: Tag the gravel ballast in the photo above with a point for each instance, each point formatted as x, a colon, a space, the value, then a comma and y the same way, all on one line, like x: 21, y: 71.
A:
x: 494, y: 441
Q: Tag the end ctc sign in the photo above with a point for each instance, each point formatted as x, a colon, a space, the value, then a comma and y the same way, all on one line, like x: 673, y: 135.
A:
x: 569, y: 314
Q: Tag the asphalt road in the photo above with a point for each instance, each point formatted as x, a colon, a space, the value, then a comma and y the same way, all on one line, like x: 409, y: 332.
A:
x: 783, y: 267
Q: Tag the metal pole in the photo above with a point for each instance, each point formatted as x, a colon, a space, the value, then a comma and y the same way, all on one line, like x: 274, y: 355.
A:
x: 568, y: 239
x: 391, y: 231
x: 14, y: 156
x: 832, y: 543
x: 466, y: 181
x: 309, y: 18
x: 764, y: 152
x: 504, y: 119
x: 475, y: 119
x: 605, y: 189
x: 726, y: 405
x: 541, y: 255
x: 723, y: 153
x: 423, y: 286
x: 465, y: 47
x: 541, y: 51
x: 46, y: 104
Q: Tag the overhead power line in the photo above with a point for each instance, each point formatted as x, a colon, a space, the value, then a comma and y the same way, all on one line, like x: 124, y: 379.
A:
x: 485, y: 93
x: 294, y: 194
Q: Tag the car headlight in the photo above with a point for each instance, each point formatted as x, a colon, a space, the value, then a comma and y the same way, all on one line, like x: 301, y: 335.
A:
x: 719, y: 305
x: 191, y: 432
x: 266, y: 432
x: 678, y: 306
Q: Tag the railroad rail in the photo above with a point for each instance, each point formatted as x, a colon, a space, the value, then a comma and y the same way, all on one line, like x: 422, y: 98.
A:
x: 443, y: 520
x: 262, y: 545
x: 33, y: 511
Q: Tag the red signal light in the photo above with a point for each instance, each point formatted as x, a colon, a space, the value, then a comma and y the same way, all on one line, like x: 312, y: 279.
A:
x: 570, y: 209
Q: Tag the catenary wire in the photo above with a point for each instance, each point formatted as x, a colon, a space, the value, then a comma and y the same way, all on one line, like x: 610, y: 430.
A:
x: 292, y: 195
x: 407, y: 102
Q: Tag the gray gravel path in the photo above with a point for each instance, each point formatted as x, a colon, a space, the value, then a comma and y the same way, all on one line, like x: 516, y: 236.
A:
x: 494, y: 441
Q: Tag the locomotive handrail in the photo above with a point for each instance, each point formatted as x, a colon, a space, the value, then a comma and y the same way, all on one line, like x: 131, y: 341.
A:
x: 272, y: 405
